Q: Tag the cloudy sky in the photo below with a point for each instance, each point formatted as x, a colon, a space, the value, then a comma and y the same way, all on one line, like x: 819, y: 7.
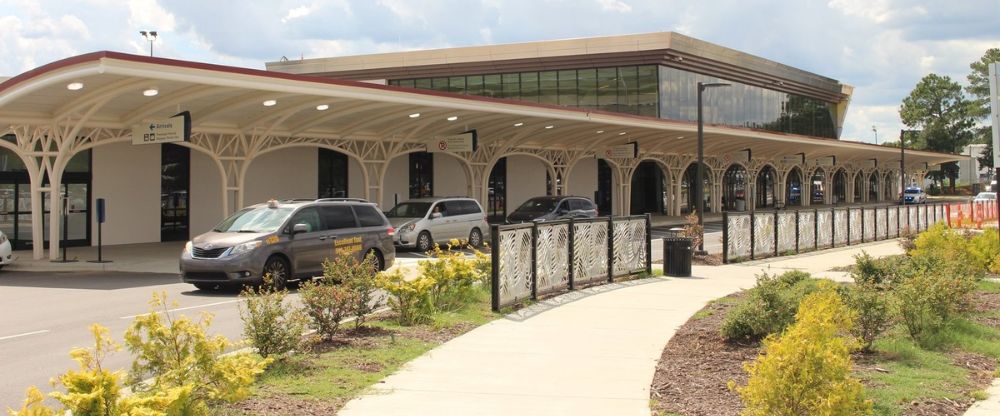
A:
x: 882, y: 47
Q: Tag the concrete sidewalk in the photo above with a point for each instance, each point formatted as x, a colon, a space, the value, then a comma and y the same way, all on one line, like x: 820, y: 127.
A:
x: 590, y: 355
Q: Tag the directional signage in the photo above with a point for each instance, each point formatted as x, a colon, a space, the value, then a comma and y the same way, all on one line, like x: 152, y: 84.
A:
x: 742, y: 156
x: 465, y: 142
x: 793, y: 159
x: 625, y: 151
x: 172, y: 130
x: 870, y: 163
x: 826, y: 161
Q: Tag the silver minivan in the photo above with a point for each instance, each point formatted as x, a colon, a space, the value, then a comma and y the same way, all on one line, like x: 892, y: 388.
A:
x: 420, y: 222
x: 287, y: 239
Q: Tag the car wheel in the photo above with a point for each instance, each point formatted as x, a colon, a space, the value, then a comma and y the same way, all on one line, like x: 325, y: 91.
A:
x: 278, y: 269
x: 424, y: 241
x: 379, y: 261
x: 206, y: 286
x: 476, y: 238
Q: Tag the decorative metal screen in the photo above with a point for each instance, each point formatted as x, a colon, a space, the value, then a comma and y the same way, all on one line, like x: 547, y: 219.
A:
x: 552, y: 257
x: 738, y: 241
x: 913, y: 225
x: 881, y: 225
x: 763, y: 234
x: 630, y: 245
x: 840, y: 222
x: 786, y: 232
x: 824, y: 228
x: 855, y: 229
x: 938, y: 213
x: 870, y: 224
x: 590, y: 251
x: 514, y: 265
x: 892, y: 214
x: 807, y: 230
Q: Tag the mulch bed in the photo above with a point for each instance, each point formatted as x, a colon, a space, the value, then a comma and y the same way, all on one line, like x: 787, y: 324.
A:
x: 697, y: 364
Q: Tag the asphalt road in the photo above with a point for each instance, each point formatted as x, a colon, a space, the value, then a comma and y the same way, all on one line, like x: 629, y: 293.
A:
x: 44, y: 315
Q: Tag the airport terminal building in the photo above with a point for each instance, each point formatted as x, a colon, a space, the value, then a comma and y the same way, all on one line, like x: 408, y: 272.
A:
x: 546, y: 118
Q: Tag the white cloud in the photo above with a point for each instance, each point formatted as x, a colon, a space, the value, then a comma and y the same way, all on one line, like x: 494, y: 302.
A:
x: 149, y: 14
x: 615, y: 6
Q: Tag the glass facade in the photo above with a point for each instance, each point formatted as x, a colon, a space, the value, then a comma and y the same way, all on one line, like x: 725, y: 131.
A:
x: 648, y: 90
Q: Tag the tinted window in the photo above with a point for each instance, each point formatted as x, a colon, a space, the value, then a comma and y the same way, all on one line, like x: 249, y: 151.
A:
x: 470, y: 207
x: 310, y: 217
x: 409, y: 210
x: 338, y: 216
x: 451, y: 208
x: 538, y: 205
x: 368, y: 216
x: 577, y: 204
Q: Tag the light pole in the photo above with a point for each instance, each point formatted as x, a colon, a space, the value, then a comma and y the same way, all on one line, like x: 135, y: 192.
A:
x: 149, y: 36
x: 699, y: 181
x: 902, y: 169
x: 876, y: 133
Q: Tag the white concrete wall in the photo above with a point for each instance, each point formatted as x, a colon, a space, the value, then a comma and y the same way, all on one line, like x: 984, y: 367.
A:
x: 355, y: 179
x: 286, y: 173
x: 128, y: 177
x: 583, y: 178
x: 449, y: 176
x: 206, y: 194
x: 525, y: 179
x: 397, y: 180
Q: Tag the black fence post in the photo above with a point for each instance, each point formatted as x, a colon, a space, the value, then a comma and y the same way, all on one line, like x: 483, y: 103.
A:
x: 752, y: 237
x: 816, y: 229
x: 833, y: 227
x: 611, y: 249
x: 796, y: 231
x: 862, y: 224
x: 849, y: 226
x: 534, y: 261
x: 775, y: 233
x: 649, y: 243
x: 570, y: 253
x: 725, y: 240
x: 899, y: 221
x: 495, y: 268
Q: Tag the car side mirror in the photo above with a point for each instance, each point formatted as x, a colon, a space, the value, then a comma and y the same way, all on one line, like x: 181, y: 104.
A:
x: 435, y: 215
x: 300, y: 228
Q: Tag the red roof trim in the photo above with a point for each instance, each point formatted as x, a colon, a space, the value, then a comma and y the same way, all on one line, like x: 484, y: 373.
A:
x: 96, y: 56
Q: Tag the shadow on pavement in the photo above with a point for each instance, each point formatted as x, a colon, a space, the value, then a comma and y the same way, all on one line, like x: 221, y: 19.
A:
x: 86, y: 280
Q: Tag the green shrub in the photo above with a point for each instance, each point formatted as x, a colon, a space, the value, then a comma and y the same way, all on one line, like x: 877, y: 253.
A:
x: 359, y: 281
x: 177, y: 353
x: 950, y: 246
x: 806, y: 371
x: 327, y: 304
x: 929, y: 298
x: 871, y: 312
x: 769, y: 307
x: 877, y: 271
x: 269, y: 324
x: 454, y: 276
x: 985, y: 250
x: 410, y: 299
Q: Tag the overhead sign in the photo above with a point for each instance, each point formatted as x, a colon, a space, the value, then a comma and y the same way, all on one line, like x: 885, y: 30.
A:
x: 465, y: 142
x: 628, y: 150
x: 742, y: 156
x: 826, y: 161
x: 793, y: 159
x: 172, y: 130
x: 870, y: 163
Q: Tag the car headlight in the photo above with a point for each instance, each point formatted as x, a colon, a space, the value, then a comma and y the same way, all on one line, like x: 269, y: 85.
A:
x: 407, y: 228
x: 244, y: 248
x: 187, y: 248
x: 3, y: 238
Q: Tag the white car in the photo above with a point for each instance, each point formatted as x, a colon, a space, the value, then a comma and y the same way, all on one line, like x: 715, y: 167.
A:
x: 914, y: 195
x: 5, y: 255
x: 986, y: 196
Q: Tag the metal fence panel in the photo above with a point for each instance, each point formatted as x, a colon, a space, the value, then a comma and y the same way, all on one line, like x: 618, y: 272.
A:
x: 763, y: 233
x: 824, y: 228
x: 840, y: 222
x: 922, y: 218
x: 551, y: 259
x: 893, y: 217
x: 881, y: 229
x: 738, y: 246
x: 939, y: 212
x: 515, y: 265
x: 870, y: 225
x: 807, y: 230
x: 913, y: 225
x: 786, y: 232
x: 590, y: 251
x: 630, y: 245
x: 855, y: 228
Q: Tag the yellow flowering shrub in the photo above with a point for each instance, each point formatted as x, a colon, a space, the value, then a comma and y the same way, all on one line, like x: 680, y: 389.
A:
x: 806, y: 370
x: 411, y: 299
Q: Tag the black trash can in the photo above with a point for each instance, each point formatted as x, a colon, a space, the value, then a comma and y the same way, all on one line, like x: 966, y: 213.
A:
x: 677, y: 252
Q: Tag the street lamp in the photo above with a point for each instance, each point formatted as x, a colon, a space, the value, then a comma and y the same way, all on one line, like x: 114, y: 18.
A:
x: 876, y: 133
x: 699, y: 191
x: 149, y: 37
x: 902, y: 169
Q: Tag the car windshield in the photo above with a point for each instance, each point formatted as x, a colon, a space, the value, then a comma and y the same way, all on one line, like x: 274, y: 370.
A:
x: 913, y: 191
x: 538, y: 205
x: 986, y: 195
x: 409, y: 210
x: 254, y: 220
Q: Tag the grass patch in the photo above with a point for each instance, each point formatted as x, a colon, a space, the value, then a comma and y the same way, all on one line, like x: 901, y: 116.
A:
x: 988, y: 286
x: 710, y: 308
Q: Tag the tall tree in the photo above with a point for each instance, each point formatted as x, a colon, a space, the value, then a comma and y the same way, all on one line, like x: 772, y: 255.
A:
x: 938, y: 108
x: 979, y: 84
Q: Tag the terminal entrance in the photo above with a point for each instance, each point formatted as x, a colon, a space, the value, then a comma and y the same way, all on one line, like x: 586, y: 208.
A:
x: 648, y: 189
x: 175, y: 188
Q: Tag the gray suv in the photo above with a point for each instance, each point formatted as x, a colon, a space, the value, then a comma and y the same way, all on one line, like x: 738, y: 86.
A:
x: 548, y: 208
x: 419, y: 222
x: 288, y: 240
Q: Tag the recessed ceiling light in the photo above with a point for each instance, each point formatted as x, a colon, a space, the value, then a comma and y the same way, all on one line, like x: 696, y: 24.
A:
x: 600, y: 131
x: 414, y: 115
x: 549, y: 126
x: 323, y: 107
x: 518, y: 124
x: 622, y: 133
x: 73, y: 86
x: 269, y: 103
x: 452, y: 118
x: 680, y: 137
x: 151, y: 92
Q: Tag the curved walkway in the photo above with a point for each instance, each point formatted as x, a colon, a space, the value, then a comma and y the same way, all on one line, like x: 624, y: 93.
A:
x: 591, y: 355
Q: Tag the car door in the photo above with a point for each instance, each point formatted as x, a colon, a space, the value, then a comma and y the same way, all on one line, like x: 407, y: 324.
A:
x: 345, y: 237
x: 308, y: 248
x: 564, y: 210
x: 452, y: 213
x: 472, y: 217
x: 373, y: 230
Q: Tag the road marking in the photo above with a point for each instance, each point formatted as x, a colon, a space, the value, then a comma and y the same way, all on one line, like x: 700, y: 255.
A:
x: 184, y: 308
x: 24, y: 334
